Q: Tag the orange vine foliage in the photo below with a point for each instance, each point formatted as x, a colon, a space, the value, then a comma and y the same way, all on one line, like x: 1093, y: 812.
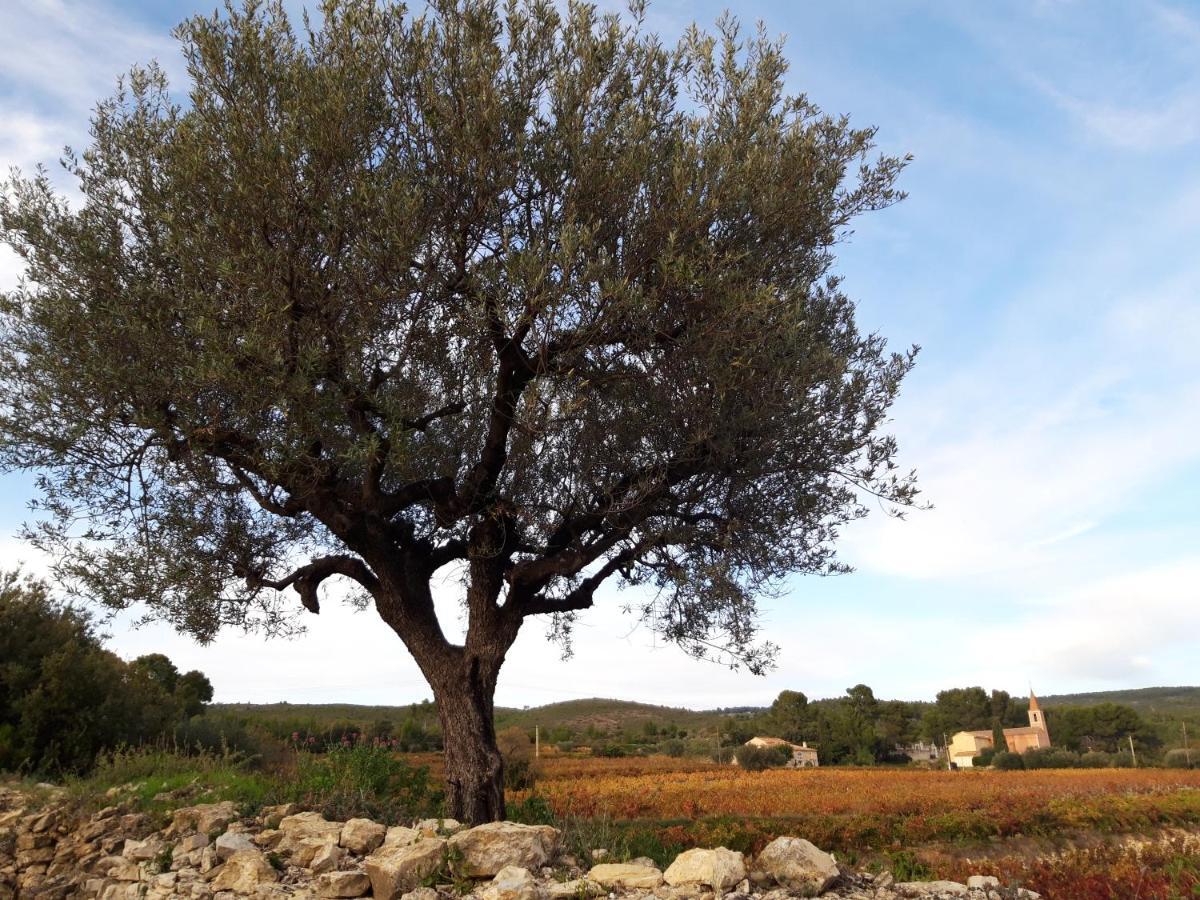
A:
x: 594, y: 788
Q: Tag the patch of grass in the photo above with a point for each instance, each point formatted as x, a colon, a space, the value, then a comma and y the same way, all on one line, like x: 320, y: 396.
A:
x: 533, y: 810
x: 905, y: 866
x: 145, y: 773
x: 622, y: 840
x: 362, y: 780
x: 356, y: 781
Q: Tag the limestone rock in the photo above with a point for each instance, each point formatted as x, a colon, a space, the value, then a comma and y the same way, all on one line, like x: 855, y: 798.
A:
x: 399, y: 836
x: 983, y: 882
x: 326, y: 859
x: 574, y: 889
x: 28, y: 841
x: 396, y: 869
x: 124, y: 870
x: 361, y: 836
x: 798, y: 864
x: 244, y: 872
x: 306, y: 851
x: 271, y: 816
x: 27, y: 858
x: 422, y: 893
x: 719, y: 869
x: 307, y: 826
x: 511, y: 883
x: 615, y: 876
x: 190, y: 844
x: 208, y: 859
x: 205, y: 818
x: 342, y: 884
x: 930, y: 889
x: 143, y: 851
x: 436, y: 827
x: 121, y: 891
x: 45, y: 821
x: 484, y: 850
x: 268, y: 839
x: 232, y: 842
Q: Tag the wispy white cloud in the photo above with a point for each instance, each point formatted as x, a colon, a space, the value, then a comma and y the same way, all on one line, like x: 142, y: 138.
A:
x: 1130, y: 78
x: 58, y: 58
x: 1156, y: 124
x: 1115, y: 629
x: 1034, y: 446
x: 1177, y: 24
x: 67, y: 54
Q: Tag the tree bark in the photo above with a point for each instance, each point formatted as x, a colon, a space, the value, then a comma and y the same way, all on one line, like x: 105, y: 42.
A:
x: 474, y: 767
x: 463, y: 678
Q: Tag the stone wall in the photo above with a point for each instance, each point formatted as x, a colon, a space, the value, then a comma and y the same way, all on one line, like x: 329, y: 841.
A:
x: 208, y: 852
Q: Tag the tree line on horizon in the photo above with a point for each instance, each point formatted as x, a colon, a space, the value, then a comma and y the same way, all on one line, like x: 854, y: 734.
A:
x: 65, y: 700
x: 860, y: 729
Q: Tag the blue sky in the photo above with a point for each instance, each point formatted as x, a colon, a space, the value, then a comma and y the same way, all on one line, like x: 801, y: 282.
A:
x: 1047, y: 261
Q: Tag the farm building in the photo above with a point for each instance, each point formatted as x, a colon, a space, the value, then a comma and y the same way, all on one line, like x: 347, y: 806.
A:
x: 920, y: 751
x: 803, y: 756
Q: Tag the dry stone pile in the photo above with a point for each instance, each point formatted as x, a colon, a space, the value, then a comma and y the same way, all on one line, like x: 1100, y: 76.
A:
x: 207, y: 852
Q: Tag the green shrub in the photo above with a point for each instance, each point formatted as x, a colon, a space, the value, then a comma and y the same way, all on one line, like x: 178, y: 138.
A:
x: 985, y: 758
x: 520, y: 770
x: 756, y: 759
x: 1180, y: 759
x: 1050, y: 758
x: 1007, y: 761
x: 362, y: 780
x: 723, y: 755
x: 1095, y: 759
x: 674, y: 748
x: 1121, y: 760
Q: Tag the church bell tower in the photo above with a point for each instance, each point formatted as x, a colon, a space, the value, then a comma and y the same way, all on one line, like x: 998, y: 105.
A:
x: 1037, y: 718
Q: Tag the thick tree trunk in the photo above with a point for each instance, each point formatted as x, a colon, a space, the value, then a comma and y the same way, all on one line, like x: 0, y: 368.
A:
x: 474, y: 766
x: 463, y: 679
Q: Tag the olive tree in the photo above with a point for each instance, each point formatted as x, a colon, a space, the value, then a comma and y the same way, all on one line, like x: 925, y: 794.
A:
x: 517, y: 294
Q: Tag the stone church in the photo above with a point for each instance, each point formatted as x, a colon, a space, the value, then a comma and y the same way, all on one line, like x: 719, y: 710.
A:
x: 966, y: 745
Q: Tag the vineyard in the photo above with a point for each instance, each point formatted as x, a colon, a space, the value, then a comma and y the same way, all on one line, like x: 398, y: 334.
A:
x: 664, y: 788
x: 1045, y: 828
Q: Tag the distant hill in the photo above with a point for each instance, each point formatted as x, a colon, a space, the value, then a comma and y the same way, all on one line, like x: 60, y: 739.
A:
x: 318, y: 712
x: 591, y: 716
x: 605, y: 715
x: 1164, y: 701
x: 610, y: 716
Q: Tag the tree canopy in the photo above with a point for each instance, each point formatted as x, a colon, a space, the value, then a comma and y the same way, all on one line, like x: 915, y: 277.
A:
x: 64, y: 698
x: 517, y: 291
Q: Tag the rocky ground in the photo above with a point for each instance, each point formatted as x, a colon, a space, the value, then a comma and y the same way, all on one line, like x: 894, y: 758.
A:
x: 207, y: 852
